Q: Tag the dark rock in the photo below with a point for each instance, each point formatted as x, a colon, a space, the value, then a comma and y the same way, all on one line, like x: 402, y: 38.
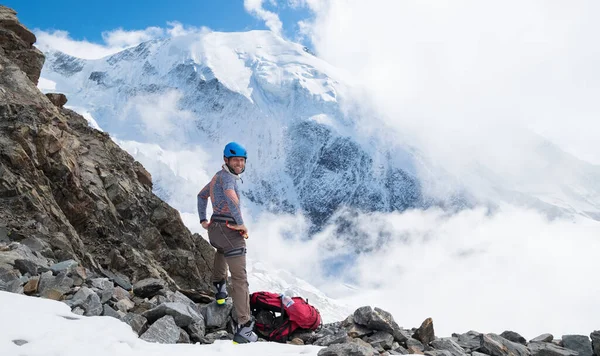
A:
x: 595, y: 336
x: 549, y: 349
x: 196, y: 330
x: 357, y: 330
x: 54, y: 287
x: 542, y: 338
x: 449, y: 345
x: 184, y: 338
x: 579, y: 343
x: 514, y: 337
x: 438, y: 353
x: 496, y: 345
x: 119, y: 279
x: 470, y: 340
x: 217, y: 335
x: 57, y: 99
x: 92, y: 305
x: 414, y: 346
x: 183, y: 314
x: 63, y: 266
x: 425, y: 332
x: 26, y: 266
x: 381, y: 339
x: 137, y: 322
x: 375, y: 319
x: 20, y: 342
x: 163, y: 331
x: 148, y: 288
x: 349, y: 349
x: 108, y: 311
x: 216, y: 316
x: 339, y: 338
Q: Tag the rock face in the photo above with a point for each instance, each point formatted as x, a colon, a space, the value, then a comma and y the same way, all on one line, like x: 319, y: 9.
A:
x: 17, y: 42
x: 72, y: 193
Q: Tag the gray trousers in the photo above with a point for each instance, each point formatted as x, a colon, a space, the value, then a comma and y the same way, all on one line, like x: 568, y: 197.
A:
x: 231, y: 251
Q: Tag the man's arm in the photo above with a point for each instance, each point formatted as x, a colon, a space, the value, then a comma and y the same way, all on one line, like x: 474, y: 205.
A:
x: 203, y: 202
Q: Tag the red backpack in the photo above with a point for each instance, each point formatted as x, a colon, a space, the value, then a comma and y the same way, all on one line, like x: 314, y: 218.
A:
x: 299, y: 315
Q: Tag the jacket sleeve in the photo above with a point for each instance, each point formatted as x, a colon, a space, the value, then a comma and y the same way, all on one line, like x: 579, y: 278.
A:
x: 203, y: 202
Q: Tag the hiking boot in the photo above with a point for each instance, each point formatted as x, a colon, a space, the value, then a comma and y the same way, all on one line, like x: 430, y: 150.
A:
x: 221, y: 294
x: 245, y: 333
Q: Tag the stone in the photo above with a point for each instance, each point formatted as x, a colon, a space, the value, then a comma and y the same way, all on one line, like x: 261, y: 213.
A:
x: 108, y: 311
x: 120, y: 293
x: 196, y: 330
x: 148, y: 288
x: 352, y: 349
x: 514, y: 337
x: 449, y: 345
x: 215, y: 315
x: 496, y: 345
x: 102, y: 283
x: 184, y: 338
x: 549, y: 349
x: 595, y: 336
x: 57, y: 99
x: 579, y: 343
x: 339, y: 338
x: 124, y: 305
x: 163, y: 331
x: 137, y: 322
x: 425, y: 332
x: 438, y: 353
x: 543, y: 338
x: 381, y: 339
x: 183, y: 314
x: 119, y: 279
x: 217, y: 335
x: 26, y: 266
x: 54, y: 287
x: 92, y: 305
x: 63, y: 266
x: 375, y: 319
x: 414, y: 346
x: 470, y: 340
x: 357, y: 330
x: 31, y: 286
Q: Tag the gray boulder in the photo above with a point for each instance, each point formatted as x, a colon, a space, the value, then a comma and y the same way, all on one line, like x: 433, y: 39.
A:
x: 163, y: 331
x: 549, y: 349
x: 579, y: 343
x: 449, y: 345
x: 496, y: 345
x: 215, y: 315
x: 183, y: 314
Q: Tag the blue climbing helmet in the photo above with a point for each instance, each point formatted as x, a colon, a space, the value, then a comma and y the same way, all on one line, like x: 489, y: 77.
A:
x: 234, y: 149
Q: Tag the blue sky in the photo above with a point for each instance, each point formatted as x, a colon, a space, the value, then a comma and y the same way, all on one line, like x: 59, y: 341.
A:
x: 86, y: 20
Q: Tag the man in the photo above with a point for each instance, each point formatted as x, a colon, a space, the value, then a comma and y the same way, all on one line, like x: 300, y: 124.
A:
x: 227, y: 233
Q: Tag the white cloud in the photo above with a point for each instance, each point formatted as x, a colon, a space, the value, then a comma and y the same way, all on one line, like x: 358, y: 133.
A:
x: 509, y: 270
x: 272, y: 21
x: 459, y: 75
x: 61, y: 41
x: 113, y: 41
x: 123, y: 38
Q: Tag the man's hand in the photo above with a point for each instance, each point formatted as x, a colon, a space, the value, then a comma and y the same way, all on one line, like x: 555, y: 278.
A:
x: 205, y: 224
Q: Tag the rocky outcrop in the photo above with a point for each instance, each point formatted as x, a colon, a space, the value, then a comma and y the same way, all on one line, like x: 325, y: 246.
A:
x: 68, y: 192
x: 17, y: 42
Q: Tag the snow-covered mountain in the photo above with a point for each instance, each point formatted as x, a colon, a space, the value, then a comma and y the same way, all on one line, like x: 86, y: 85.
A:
x: 310, y: 150
x: 203, y: 90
